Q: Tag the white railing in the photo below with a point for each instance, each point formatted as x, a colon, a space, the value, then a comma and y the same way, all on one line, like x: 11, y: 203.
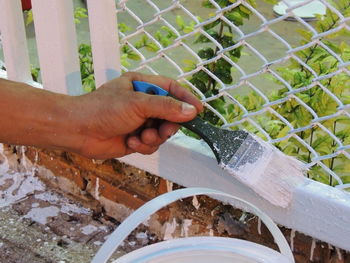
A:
x: 317, y: 209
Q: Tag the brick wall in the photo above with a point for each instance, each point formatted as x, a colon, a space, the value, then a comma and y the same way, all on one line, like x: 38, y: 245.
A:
x: 115, y: 189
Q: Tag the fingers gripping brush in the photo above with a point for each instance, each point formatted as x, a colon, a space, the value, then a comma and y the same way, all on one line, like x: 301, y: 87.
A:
x: 257, y: 164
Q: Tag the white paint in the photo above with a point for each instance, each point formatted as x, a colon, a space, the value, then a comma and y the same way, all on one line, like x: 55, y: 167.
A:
x: 14, y: 41
x: 169, y: 185
x: 57, y: 42
x: 211, y: 232
x: 104, y: 40
x: 195, y: 202
x: 312, y: 250
x: 97, y: 189
x: 22, y: 185
x: 65, y: 205
x: 141, y: 235
x: 169, y: 229
x: 88, y: 229
x: 259, y: 226
x: 292, y: 236
x: 98, y: 243
x: 186, y: 223
x: 317, y: 210
x: 4, y: 163
x: 274, y: 175
x: 41, y: 214
x: 340, y: 256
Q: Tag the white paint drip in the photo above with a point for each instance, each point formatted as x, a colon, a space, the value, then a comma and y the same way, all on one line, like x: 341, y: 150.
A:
x: 169, y: 229
x: 97, y: 189
x: 4, y: 164
x: 195, y: 202
x: 313, y: 246
x: 259, y: 226
x: 88, y: 229
x: 292, y: 235
x: 274, y: 176
x: 185, y: 227
x: 41, y: 214
x: 169, y: 185
x: 340, y: 257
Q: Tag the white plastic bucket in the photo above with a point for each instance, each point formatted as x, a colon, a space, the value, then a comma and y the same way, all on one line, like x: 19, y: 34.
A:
x: 194, y: 249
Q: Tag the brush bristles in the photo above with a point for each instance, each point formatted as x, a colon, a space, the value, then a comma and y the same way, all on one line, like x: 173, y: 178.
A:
x: 274, y: 176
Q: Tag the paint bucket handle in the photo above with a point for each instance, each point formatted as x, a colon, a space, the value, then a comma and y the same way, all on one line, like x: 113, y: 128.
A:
x: 144, y: 212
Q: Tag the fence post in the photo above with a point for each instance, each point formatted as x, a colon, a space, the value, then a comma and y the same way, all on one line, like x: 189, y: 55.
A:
x: 14, y: 41
x: 57, y: 46
x: 104, y: 40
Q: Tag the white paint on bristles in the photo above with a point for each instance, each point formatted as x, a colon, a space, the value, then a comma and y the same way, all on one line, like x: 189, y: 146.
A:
x: 274, y: 176
x: 312, y: 250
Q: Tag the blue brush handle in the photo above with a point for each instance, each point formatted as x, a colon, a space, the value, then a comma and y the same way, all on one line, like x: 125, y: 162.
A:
x: 202, y: 128
x: 149, y: 88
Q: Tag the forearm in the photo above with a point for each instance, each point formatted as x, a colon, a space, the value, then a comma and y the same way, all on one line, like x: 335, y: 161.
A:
x: 30, y: 116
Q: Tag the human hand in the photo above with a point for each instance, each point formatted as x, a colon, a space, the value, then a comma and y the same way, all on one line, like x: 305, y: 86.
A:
x: 116, y: 120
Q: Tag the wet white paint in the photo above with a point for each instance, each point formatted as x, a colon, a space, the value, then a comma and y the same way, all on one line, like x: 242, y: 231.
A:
x: 274, y: 176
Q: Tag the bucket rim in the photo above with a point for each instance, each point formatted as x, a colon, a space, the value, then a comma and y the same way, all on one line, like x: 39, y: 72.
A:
x: 203, y: 245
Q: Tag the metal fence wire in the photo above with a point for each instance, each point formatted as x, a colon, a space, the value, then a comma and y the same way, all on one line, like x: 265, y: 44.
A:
x: 284, y: 78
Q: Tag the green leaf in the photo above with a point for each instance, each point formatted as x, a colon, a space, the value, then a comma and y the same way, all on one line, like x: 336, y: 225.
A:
x: 180, y: 22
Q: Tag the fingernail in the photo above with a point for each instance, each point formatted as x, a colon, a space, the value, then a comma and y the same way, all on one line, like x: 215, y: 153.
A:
x: 188, y: 109
x: 133, y: 143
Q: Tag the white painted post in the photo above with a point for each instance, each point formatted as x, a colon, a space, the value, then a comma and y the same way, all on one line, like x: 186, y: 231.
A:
x: 57, y: 46
x: 104, y: 40
x: 14, y: 41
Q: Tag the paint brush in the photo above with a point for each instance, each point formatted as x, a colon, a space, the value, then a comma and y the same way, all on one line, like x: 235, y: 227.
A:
x: 254, y: 162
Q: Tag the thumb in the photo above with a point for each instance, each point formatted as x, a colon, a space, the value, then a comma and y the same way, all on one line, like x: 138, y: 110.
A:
x: 166, y: 108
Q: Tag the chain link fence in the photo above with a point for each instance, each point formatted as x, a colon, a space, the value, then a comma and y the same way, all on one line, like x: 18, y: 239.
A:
x: 286, y: 81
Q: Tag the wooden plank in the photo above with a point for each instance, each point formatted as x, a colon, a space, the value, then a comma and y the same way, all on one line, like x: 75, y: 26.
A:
x: 57, y: 46
x: 318, y: 210
x: 14, y: 41
x: 104, y: 40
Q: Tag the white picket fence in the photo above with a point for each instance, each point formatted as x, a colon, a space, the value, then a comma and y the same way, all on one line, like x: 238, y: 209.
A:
x: 317, y: 209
